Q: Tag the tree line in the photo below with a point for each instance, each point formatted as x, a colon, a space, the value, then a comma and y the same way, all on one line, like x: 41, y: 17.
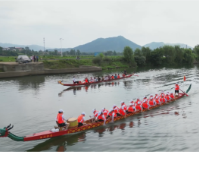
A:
x: 166, y: 55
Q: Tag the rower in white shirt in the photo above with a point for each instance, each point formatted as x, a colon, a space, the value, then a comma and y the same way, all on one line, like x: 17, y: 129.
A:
x: 75, y: 81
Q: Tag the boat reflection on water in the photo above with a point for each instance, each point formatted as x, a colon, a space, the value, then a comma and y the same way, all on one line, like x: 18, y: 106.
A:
x: 61, y: 142
x: 93, y: 86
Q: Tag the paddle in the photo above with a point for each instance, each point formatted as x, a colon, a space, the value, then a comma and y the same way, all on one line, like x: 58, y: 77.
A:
x: 184, y: 92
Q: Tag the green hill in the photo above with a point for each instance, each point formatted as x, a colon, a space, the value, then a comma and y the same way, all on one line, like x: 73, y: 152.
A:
x: 107, y: 44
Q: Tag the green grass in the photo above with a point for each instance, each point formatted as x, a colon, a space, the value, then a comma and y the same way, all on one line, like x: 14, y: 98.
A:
x: 61, y: 64
x: 110, y: 62
x: 7, y: 58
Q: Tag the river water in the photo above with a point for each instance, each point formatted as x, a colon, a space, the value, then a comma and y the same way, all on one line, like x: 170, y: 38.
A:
x: 31, y: 104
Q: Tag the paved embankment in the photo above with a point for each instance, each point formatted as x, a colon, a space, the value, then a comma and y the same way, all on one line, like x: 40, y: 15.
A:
x: 12, y: 69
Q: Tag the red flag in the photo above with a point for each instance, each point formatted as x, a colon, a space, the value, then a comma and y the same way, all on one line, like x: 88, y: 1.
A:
x: 184, y: 78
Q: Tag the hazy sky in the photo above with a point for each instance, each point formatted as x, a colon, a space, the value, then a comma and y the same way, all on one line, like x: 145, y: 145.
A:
x: 78, y: 22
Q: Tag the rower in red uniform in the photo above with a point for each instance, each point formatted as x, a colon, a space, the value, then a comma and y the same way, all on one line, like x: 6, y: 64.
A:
x: 131, y: 108
x: 81, y: 119
x: 101, y: 117
x: 138, y: 100
x: 157, y: 99
x: 145, y: 104
x: 167, y: 97
x: 172, y: 96
x: 112, y: 77
x: 95, y: 114
x: 123, y: 109
x: 61, y: 121
x: 118, y: 76
x: 177, y: 88
x: 162, y: 99
x: 112, y: 115
x: 151, y: 101
x: 138, y: 106
x: 86, y: 80
x: 116, y: 110
x: 105, y: 112
x: 155, y: 96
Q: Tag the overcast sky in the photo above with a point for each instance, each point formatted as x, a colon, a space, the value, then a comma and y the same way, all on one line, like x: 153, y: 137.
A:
x: 79, y: 22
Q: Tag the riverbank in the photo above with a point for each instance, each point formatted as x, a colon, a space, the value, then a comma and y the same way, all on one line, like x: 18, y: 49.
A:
x: 13, y: 69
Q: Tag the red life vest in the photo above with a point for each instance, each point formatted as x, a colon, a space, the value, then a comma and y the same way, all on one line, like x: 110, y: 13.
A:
x: 130, y: 109
x: 138, y: 107
x: 124, y: 107
x: 157, y: 100
x: 137, y: 102
x: 101, y: 117
x: 116, y: 110
x: 167, y: 97
x: 59, y: 118
x: 112, y: 113
x: 105, y: 112
x: 112, y: 77
x: 145, y: 105
x: 151, y: 102
x: 80, y: 119
x: 177, y: 87
x: 118, y: 76
x: 162, y: 100
x: 171, y: 95
x: 122, y: 112
x: 96, y: 113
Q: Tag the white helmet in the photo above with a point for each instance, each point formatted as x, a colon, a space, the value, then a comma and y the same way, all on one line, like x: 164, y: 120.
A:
x: 61, y: 110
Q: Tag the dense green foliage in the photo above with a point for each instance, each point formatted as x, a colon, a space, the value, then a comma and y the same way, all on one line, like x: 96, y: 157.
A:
x: 166, y: 55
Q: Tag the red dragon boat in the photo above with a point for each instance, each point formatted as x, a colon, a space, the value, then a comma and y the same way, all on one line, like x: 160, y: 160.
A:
x: 79, y: 84
x: 89, y: 125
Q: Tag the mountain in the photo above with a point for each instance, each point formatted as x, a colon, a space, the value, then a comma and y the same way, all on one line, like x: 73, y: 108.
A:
x: 107, y: 44
x: 32, y: 47
x: 155, y: 45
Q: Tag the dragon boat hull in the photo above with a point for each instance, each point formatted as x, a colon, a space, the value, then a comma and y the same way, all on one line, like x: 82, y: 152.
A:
x: 80, y: 84
x: 50, y: 134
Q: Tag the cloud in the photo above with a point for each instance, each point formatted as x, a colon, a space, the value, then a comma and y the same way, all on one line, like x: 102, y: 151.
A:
x: 79, y: 22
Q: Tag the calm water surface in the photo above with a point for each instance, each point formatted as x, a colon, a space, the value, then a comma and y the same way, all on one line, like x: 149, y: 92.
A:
x: 31, y: 104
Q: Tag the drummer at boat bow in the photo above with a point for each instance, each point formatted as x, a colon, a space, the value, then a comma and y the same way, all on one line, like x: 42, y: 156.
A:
x: 61, y: 121
x: 81, y: 119
x: 75, y: 81
x: 177, y: 88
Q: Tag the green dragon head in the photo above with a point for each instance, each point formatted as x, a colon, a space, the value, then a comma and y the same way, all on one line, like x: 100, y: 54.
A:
x: 4, y: 131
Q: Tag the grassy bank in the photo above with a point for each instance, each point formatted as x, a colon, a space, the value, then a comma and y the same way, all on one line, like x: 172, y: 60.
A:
x: 57, y: 62
x: 105, y: 64
x: 7, y: 58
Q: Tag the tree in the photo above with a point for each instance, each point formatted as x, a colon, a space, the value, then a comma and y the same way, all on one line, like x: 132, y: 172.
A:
x: 1, y: 50
x: 101, y: 55
x: 140, y: 60
x: 188, y: 56
x: 27, y: 48
x: 146, y: 52
x: 196, y: 51
x: 156, y: 57
x: 128, y: 54
x: 137, y: 52
x: 78, y: 52
x: 114, y: 53
x: 169, y: 53
x: 178, y: 54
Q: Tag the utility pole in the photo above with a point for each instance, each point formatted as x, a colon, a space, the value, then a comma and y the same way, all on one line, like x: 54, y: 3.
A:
x: 61, y: 45
x: 44, y: 45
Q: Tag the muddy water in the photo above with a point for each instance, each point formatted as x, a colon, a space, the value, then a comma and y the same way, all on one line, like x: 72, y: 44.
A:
x: 31, y: 105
